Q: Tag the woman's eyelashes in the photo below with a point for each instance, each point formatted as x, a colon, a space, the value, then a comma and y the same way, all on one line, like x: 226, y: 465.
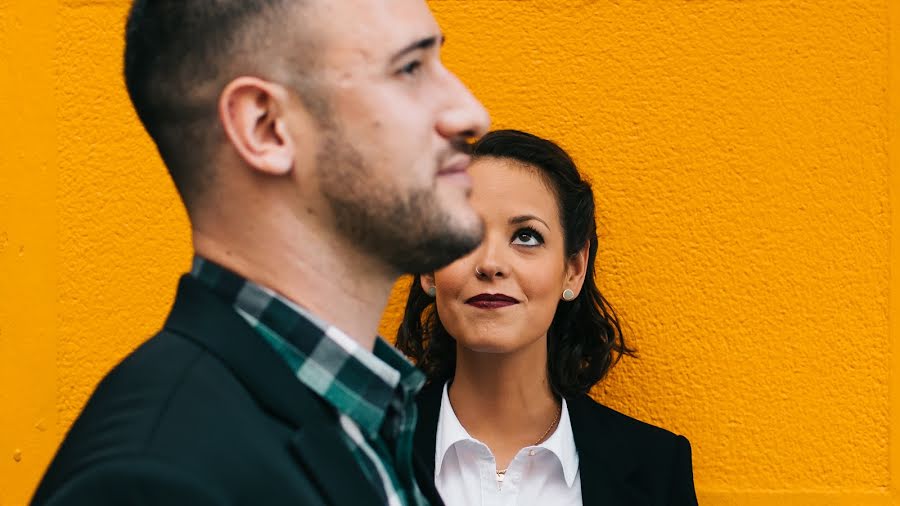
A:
x: 527, y: 237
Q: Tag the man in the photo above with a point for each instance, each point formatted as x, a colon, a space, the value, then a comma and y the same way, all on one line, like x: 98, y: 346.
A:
x: 318, y: 147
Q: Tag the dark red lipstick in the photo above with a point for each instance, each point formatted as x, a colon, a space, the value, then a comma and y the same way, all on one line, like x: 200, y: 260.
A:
x: 491, y: 301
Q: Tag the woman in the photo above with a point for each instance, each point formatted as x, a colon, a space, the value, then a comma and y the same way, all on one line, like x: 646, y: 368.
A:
x: 514, y: 335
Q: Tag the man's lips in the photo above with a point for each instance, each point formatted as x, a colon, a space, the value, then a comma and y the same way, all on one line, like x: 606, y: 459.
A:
x: 459, y: 165
x: 491, y: 301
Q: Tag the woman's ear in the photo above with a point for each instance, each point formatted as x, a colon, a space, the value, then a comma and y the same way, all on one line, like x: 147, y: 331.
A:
x: 576, y: 269
x: 426, y: 281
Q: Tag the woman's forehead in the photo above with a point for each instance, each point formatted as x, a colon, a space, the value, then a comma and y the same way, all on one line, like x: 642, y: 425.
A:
x: 512, y: 188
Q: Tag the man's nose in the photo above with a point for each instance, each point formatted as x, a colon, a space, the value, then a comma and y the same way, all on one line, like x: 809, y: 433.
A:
x: 465, y: 116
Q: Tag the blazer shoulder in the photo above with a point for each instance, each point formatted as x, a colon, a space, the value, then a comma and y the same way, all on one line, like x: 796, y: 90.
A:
x: 624, y: 460
x: 140, y: 386
x: 186, y: 400
x: 125, y: 407
x: 138, y: 480
x: 591, y: 418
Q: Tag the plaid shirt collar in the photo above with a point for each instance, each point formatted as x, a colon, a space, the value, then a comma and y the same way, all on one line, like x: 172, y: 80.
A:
x: 358, y: 383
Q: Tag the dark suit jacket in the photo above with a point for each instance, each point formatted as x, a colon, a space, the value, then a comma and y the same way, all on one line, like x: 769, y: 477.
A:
x: 623, y: 461
x: 205, y: 413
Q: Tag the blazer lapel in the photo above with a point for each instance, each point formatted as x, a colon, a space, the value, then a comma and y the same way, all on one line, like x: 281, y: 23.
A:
x: 428, y: 404
x: 425, y: 439
x: 321, y: 450
x: 199, y: 315
x: 605, y: 466
x: 425, y: 479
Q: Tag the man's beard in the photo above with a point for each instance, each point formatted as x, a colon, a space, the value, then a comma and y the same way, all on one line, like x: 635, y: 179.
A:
x: 408, y: 231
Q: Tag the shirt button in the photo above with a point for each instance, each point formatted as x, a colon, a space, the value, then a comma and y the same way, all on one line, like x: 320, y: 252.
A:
x: 531, y: 453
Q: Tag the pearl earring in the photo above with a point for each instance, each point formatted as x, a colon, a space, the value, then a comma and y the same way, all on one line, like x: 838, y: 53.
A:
x: 431, y: 291
x: 568, y: 295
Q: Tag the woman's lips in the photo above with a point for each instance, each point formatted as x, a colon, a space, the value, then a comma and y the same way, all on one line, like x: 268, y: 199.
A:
x: 491, y: 301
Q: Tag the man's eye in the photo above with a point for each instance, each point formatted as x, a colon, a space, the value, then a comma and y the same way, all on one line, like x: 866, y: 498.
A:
x: 411, y: 68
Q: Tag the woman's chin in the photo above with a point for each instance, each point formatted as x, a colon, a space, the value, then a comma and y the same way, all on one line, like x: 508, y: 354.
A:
x: 492, y: 346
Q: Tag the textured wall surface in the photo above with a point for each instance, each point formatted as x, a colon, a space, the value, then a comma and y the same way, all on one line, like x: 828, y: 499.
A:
x: 29, y: 431
x: 744, y: 155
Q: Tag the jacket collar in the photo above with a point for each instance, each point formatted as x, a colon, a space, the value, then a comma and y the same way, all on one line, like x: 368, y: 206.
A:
x: 606, y: 464
x: 202, y: 317
x: 324, y: 358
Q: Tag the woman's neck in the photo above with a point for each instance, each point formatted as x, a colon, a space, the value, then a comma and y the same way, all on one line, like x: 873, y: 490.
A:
x: 504, y: 399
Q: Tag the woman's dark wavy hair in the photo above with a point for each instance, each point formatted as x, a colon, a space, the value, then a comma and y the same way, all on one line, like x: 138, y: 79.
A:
x: 584, y: 340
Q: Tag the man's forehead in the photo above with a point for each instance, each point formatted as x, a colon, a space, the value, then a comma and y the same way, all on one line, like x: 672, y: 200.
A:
x: 379, y: 27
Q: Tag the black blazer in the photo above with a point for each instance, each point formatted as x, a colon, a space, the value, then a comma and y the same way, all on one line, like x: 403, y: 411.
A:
x: 205, y: 413
x: 623, y: 461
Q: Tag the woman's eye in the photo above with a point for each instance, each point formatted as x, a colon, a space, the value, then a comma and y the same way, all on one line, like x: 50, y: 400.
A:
x: 528, y: 238
x: 411, y: 68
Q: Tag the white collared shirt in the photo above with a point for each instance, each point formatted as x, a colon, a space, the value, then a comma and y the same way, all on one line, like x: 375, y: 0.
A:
x: 465, y: 471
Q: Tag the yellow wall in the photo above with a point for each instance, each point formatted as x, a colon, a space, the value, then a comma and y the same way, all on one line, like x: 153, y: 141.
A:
x: 744, y: 155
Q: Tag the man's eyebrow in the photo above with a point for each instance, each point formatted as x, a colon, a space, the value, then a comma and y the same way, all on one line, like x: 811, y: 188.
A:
x: 426, y: 43
x: 515, y: 220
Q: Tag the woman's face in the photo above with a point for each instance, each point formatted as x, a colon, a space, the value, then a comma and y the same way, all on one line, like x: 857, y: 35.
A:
x: 502, y: 297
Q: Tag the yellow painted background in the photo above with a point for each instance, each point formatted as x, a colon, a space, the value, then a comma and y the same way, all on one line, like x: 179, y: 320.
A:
x: 745, y: 160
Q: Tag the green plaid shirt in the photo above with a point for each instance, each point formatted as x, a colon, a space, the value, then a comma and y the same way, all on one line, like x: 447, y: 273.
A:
x: 373, y: 393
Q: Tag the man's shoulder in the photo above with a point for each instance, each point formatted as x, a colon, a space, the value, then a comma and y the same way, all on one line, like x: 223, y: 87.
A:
x: 169, y: 401
x: 130, y: 400
x: 144, y: 386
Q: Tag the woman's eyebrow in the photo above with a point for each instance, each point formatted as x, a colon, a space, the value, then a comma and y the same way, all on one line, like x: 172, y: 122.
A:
x: 515, y: 220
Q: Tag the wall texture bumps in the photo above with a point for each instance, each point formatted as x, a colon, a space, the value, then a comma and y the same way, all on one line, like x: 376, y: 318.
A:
x: 743, y: 155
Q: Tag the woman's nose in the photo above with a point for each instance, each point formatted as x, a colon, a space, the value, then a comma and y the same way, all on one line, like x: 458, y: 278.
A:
x: 489, y: 268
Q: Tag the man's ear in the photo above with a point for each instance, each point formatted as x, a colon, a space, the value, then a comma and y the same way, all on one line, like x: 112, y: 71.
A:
x: 576, y: 269
x: 253, y: 115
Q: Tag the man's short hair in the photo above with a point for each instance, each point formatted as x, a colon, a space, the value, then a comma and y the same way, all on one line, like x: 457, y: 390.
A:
x: 178, y: 56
